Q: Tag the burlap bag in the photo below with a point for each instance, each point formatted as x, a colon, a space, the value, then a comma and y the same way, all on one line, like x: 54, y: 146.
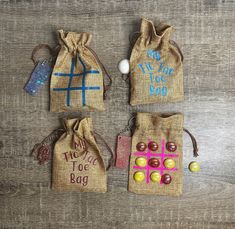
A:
x: 77, y: 160
x: 156, y: 70
x: 162, y: 129
x: 77, y: 79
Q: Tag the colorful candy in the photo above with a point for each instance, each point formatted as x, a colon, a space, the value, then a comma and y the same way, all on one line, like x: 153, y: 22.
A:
x: 155, y: 177
x: 169, y: 163
x: 194, y: 167
x: 141, y: 161
x: 139, y: 176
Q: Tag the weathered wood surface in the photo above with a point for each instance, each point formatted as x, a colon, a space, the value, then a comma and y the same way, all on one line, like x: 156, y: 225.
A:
x: 206, y: 34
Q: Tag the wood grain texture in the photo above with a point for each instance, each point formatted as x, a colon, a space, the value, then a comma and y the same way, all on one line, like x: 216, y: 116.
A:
x: 205, y: 32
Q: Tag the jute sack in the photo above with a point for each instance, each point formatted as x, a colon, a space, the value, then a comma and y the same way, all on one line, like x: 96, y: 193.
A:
x: 156, y: 69
x: 77, y: 81
x: 157, y: 137
x: 77, y: 160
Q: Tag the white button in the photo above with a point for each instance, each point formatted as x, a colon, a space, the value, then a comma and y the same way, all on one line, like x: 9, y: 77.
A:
x: 124, y: 66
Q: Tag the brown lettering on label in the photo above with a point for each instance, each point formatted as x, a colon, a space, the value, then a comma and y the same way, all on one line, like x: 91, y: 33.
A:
x: 83, y: 180
x: 79, y: 167
x: 65, y: 155
x: 94, y: 162
x: 80, y: 144
x: 90, y: 159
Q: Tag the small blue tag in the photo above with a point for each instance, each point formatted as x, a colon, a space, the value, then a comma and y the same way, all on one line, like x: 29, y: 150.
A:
x: 39, y: 76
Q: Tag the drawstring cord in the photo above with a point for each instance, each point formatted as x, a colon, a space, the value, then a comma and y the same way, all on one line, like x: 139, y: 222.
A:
x: 177, y: 46
x: 106, y: 87
x: 129, y: 126
x: 111, y: 159
x: 43, y: 150
x: 53, y: 51
x: 194, y: 142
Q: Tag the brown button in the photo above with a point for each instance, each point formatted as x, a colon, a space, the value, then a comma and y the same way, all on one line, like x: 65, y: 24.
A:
x: 154, y: 162
x: 141, y: 146
x: 166, y: 178
x: 153, y: 146
x: 171, y: 146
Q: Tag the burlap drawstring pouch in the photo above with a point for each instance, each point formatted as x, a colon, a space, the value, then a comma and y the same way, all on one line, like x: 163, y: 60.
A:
x: 156, y: 66
x: 156, y: 165
x: 77, y: 80
x: 77, y: 161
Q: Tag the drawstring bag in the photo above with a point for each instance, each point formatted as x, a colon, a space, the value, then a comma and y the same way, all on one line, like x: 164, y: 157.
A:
x: 156, y: 165
x: 156, y: 66
x: 77, y: 161
x: 77, y: 80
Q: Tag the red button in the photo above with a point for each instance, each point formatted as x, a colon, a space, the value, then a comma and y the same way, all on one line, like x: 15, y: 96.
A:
x: 166, y: 178
x: 154, y: 162
x: 141, y: 146
x: 153, y: 146
x: 171, y: 146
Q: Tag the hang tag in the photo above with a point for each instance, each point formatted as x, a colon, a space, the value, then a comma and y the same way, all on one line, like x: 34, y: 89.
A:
x: 39, y: 76
x: 43, y: 151
x: 123, y: 151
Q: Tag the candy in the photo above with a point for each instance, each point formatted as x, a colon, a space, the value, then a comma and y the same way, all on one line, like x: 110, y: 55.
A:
x: 171, y: 146
x: 166, y: 179
x: 141, y: 161
x: 141, y: 146
x: 154, y: 162
x: 194, y: 166
x: 139, y: 176
x: 124, y: 66
x: 169, y: 163
x: 155, y: 177
x: 153, y: 146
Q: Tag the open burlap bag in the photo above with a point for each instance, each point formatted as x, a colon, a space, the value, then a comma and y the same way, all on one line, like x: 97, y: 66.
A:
x: 77, y: 160
x: 156, y: 70
x: 77, y: 79
x: 161, y: 129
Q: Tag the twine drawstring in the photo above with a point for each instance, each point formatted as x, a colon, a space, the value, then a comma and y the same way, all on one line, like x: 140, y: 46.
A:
x: 108, y: 86
x: 53, y: 51
x: 111, y: 159
x: 194, y: 142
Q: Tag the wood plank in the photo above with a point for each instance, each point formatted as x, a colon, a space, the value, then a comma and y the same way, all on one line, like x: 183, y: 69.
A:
x: 206, y: 34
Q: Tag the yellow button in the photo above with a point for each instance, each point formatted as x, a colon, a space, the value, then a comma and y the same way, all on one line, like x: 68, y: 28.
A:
x: 169, y: 163
x: 141, y: 161
x: 155, y: 177
x: 194, y: 166
x: 139, y: 176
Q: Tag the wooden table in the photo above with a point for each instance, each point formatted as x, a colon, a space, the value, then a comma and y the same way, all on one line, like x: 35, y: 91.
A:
x: 205, y: 32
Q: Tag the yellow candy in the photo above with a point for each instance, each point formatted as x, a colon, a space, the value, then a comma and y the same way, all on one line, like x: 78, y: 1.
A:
x: 155, y: 177
x: 141, y: 161
x: 169, y: 163
x: 139, y: 176
x: 194, y: 166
